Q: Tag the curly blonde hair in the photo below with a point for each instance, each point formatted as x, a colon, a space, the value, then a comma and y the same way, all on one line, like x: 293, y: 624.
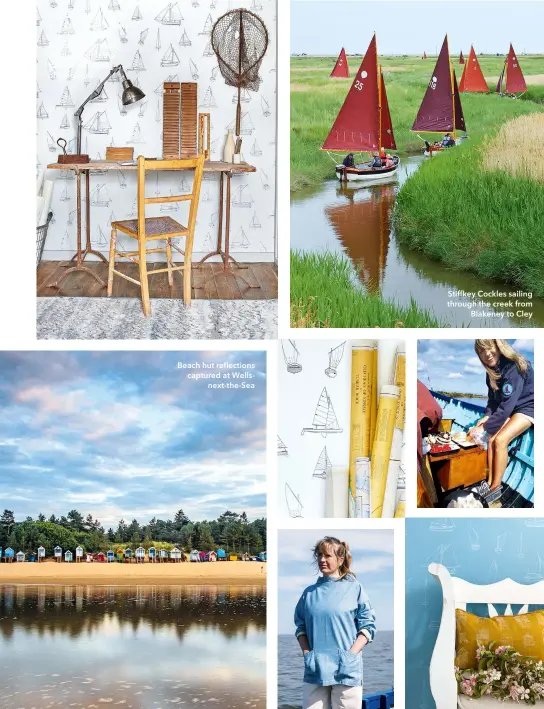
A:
x: 506, y: 351
x: 339, y: 549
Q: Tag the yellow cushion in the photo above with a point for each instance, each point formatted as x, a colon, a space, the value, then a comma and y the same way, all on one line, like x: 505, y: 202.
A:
x: 523, y: 632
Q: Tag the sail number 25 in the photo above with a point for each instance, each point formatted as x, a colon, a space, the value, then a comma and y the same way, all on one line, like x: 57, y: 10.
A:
x: 358, y: 85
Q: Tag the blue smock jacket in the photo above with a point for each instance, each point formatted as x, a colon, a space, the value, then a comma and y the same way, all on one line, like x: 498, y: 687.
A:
x: 331, y: 613
x: 515, y: 395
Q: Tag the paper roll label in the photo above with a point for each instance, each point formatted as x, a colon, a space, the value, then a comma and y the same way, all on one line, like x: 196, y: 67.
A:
x: 381, y: 450
x: 400, y: 381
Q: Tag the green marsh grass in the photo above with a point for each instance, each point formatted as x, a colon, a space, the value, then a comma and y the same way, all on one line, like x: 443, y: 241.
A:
x: 323, y: 295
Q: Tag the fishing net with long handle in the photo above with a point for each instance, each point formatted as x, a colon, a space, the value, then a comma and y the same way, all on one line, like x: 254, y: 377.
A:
x: 239, y: 40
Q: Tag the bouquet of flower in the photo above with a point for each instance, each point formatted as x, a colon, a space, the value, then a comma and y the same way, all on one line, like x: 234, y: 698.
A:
x: 504, y: 674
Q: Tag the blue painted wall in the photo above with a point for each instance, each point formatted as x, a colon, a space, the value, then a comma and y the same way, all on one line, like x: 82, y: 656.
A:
x: 479, y: 550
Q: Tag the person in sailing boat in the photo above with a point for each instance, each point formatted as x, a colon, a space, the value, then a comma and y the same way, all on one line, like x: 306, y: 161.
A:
x: 334, y: 621
x: 447, y: 141
x: 510, y: 405
x: 348, y: 161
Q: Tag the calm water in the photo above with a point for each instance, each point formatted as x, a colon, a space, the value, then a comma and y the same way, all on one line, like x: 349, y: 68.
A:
x: 136, y: 648
x: 377, y: 668
x: 357, y: 222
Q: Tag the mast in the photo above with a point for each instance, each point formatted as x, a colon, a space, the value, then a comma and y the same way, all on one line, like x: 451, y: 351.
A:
x: 452, y: 89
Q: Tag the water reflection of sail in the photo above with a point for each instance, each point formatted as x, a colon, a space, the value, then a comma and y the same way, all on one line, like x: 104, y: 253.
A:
x: 323, y: 465
x: 363, y: 228
x: 290, y: 355
x: 335, y: 356
x: 325, y: 420
x: 294, y: 505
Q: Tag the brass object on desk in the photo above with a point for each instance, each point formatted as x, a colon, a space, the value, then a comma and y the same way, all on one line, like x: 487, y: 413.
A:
x: 145, y: 229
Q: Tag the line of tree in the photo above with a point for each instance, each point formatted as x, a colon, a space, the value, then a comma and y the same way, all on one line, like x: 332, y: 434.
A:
x: 458, y: 395
x: 231, y: 531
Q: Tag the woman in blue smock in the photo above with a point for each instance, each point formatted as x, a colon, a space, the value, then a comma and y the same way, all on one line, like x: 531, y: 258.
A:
x: 334, y: 621
x: 510, y: 406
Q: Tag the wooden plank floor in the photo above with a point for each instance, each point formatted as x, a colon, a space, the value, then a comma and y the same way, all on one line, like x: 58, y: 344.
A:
x: 208, y: 282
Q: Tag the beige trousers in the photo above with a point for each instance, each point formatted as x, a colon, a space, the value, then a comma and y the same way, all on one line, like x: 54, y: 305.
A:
x: 336, y: 696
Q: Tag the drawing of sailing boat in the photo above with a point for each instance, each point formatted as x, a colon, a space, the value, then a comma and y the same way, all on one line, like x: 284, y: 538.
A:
x: 122, y: 179
x: 171, y: 15
x: 213, y: 4
x: 137, y: 15
x: 137, y: 62
x: 323, y: 467
x: 442, y: 525
x: 143, y: 108
x: 51, y: 144
x: 501, y: 541
x: 99, y: 52
x: 536, y: 575
x: 41, y: 112
x: 290, y: 356
x: 67, y: 27
x: 246, y: 126
x: 71, y: 74
x: 87, y: 7
x: 255, y: 223
x: 160, y: 88
x: 335, y: 357
x: 99, y: 23
x: 245, y: 96
x: 42, y: 40
x: 208, y: 50
x: 114, y: 5
x: 143, y: 36
x: 51, y: 70
x: 240, y: 240
x: 123, y: 38
x: 87, y: 79
x: 209, y: 99
x: 122, y: 107
x: 325, y: 420
x: 213, y: 75
x: 98, y: 124
x: 103, y: 97
x: 263, y: 248
x: 264, y: 180
x: 100, y: 241
x: 208, y: 26
x: 185, y: 41
x: 170, y: 206
x: 65, y: 197
x: 446, y: 556
x: 184, y: 187
x: 137, y: 135
x: 66, y: 99
x: 194, y: 69
x: 170, y: 58
x: 474, y: 539
x: 255, y: 149
x: 282, y: 448
x: 256, y: 6
x: 242, y: 197
x: 535, y: 522
x: 65, y: 244
x: 294, y: 505
x: 100, y: 196
x: 65, y: 51
x: 38, y: 18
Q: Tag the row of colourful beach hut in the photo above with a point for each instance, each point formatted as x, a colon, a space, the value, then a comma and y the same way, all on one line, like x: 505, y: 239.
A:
x: 125, y: 555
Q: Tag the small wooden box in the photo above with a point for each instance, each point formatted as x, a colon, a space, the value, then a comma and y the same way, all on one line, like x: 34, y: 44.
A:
x: 119, y: 154
x: 72, y: 159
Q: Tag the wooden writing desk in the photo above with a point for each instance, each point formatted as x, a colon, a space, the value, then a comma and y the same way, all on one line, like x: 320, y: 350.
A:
x: 225, y: 171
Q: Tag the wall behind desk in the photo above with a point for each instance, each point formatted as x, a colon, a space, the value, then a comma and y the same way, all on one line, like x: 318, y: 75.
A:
x: 480, y: 550
x: 67, y: 31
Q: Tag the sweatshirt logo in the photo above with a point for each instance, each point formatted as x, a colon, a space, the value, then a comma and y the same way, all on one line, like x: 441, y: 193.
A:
x: 507, y: 389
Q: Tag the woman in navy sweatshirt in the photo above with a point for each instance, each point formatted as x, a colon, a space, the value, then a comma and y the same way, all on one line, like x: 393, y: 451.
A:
x: 510, y: 405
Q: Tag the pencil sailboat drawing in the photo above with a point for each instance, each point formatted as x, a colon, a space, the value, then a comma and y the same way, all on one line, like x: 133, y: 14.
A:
x: 294, y: 505
x: 137, y: 62
x: 143, y: 36
x: 335, y: 357
x: 209, y: 99
x: 325, y: 420
x: 282, y: 448
x: 170, y: 58
x: 242, y: 197
x: 66, y: 98
x: 290, y: 356
x: 171, y: 15
x: 99, y: 52
x: 137, y: 15
x: 98, y: 124
x: 99, y: 23
x: 323, y: 467
x: 255, y: 223
x: 100, y: 196
x: 185, y: 41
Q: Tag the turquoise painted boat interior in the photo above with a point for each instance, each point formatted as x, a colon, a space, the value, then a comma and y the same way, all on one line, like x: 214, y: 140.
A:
x: 519, y: 478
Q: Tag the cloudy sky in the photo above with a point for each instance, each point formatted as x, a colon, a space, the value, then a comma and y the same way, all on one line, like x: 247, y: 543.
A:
x: 452, y: 365
x: 408, y: 27
x: 372, y: 552
x: 127, y: 434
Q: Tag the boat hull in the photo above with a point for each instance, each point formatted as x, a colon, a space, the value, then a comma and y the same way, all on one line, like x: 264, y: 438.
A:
x: 364, y: 173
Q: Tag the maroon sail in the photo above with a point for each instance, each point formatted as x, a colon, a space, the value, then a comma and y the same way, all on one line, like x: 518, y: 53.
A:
x: 436, y: 113
x: 387, y: 137
x: 498, y: 88
x: 341, y: 70
x: 357, y: 126
x: 459, y: 119
x: 461, y: 58
x: 515, y: 82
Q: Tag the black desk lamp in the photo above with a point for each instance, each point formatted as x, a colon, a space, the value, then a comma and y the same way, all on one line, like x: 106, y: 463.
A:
x: 131, y: 94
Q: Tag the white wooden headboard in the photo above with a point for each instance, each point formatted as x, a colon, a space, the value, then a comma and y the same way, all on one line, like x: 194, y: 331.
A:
x: 457, y: 593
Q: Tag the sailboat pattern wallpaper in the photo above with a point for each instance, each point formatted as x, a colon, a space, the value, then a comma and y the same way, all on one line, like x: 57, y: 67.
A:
x: 313, y: 427
x: 78, y: 42
x: 481, y: 551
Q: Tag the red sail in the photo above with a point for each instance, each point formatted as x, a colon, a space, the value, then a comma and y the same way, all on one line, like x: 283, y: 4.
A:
x: 357, y: 126
x: 388, y: 139
x: 461, y: 58
x: 515, y: 83
x: 435, y: 114
x: 473, y: 79
x: 458, y: 109
x: 424, y: 55
x: 341, y: 70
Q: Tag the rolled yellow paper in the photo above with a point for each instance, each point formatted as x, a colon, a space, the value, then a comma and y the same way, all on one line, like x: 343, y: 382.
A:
x: 374, y: 395
x: 400, y: 381
x: 362, y: 358
x: 401, y: 509
x: 381, y: 449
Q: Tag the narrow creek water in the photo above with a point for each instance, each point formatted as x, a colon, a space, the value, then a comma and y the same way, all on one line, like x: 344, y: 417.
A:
x: 356, y: 221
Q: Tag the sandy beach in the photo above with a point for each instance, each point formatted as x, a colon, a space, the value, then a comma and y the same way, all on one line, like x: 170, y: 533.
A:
x: 232, y: 573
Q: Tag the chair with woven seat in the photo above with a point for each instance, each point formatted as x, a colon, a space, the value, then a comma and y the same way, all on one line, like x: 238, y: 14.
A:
x: 147, y: 229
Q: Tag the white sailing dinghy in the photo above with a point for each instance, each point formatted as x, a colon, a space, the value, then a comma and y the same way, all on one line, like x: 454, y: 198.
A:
x: 363, y: 124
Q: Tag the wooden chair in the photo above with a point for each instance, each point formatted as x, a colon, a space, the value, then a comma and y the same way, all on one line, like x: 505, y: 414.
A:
x: 153, y: 228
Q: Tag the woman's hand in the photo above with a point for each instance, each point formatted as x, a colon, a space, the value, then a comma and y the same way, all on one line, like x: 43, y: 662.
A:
x: 359, y: 644
x: 476, y: 431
